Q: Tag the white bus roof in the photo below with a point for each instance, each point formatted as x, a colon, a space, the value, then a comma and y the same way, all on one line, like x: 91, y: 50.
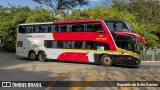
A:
x: 37, y: 23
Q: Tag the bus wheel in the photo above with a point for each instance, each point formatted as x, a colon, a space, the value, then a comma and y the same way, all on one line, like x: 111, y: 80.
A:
x: 106, y: 60
x: 42, y: 56
x: 32, y: 56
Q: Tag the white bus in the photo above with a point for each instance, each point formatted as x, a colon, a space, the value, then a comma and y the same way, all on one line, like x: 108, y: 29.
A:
x: 80, y: 41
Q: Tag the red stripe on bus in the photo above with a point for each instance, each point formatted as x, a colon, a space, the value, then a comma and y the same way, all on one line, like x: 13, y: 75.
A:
x: 70, y: 56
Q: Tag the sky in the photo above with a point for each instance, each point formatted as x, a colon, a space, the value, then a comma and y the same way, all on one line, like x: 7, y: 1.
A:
x: 33, y: 4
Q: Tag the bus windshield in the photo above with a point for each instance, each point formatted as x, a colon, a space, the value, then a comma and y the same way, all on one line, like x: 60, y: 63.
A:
x: 128, y: 43
x: 130, y: 26
x: 117, y: 26
x: 120, y: 26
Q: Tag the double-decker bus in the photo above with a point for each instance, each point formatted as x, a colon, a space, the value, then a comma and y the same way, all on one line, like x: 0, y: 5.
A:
x: 108, y: 42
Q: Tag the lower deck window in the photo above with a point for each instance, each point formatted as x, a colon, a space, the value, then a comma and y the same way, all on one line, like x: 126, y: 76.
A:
x: 20, y: 44
x: 91, y: 45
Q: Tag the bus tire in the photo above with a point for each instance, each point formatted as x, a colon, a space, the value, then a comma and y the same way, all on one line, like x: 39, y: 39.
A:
x: 32, y: 56
x: 42, y: 56
x: 106, y: 60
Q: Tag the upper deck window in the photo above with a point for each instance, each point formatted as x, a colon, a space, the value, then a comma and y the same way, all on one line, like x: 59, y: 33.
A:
x: 32, y: 29
x: 41, y: 29
x: 79, y: 27
x: 117, y: 26
x: 64, y: 28
x: 95, y: 27
x: 22, y: 29
x: 50, y: 28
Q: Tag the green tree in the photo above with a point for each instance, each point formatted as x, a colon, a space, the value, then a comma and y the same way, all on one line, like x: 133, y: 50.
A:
x: 39, y: 15
x: 9, y: 20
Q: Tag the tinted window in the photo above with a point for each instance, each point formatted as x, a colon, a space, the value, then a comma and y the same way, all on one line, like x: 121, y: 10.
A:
x: 94, y: 27
x: 116, y: 26
x: 79, y: 27
x: 27, y: 29
x: 41, y: 29
x: 67, y: 44
x: 78, y: 44
x: 130, y: 26
x: 22, y: 29
x: 20, y: 44
x: 57, y: 28
x: 50, y: 28
x: 32, y: 29
x: 124, y: 42
x: 90, y: 45
x: 59, y: 44
x: 50, y: 44
x: 63, y: 28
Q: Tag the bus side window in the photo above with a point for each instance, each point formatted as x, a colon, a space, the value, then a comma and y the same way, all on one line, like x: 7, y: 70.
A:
x: 32, y: 29
x: 67, y: 44
x: 50, y: 28
x: 73, y: 28
x: 28, y: 29
x: 22, y: 29
x: 59, y: 44
x: 79, y: 27
x: 54, y: 44
x: 56, y: 28
x: 77, y: 44
x: 110, y: 26
x: 117, y: 26
x: 99, y: 28
x: 102, y: 46
x: 95, y: 27
x: 20, y: 44
x: 90, y: 45
x: 48, y: 44
x: 41, y: 29
x: 63, y: 28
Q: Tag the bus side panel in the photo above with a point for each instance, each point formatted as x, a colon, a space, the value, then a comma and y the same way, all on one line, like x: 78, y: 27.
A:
x: 74, y: 56
x: 22, y: 45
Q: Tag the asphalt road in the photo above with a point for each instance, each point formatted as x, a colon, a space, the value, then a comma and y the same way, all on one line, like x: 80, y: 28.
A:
x: 14, y: 68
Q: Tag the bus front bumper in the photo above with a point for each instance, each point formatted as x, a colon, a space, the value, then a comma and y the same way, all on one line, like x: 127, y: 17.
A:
x: 125, y: 60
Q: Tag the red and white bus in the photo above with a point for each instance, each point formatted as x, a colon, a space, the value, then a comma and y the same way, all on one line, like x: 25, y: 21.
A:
x: 91, y: 41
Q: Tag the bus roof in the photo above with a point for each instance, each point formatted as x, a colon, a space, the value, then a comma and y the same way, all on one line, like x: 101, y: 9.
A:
x: 115, y: 20
x: 76, y: 21
x: 71, y: 21
x: 40, y: 23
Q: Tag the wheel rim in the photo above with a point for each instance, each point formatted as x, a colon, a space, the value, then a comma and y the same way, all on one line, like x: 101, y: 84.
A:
x: 42, y: 57
x: 32, y: 56
x: 107, y: 60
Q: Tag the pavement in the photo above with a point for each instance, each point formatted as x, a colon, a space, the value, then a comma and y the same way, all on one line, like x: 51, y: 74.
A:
x: 82, y: 76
